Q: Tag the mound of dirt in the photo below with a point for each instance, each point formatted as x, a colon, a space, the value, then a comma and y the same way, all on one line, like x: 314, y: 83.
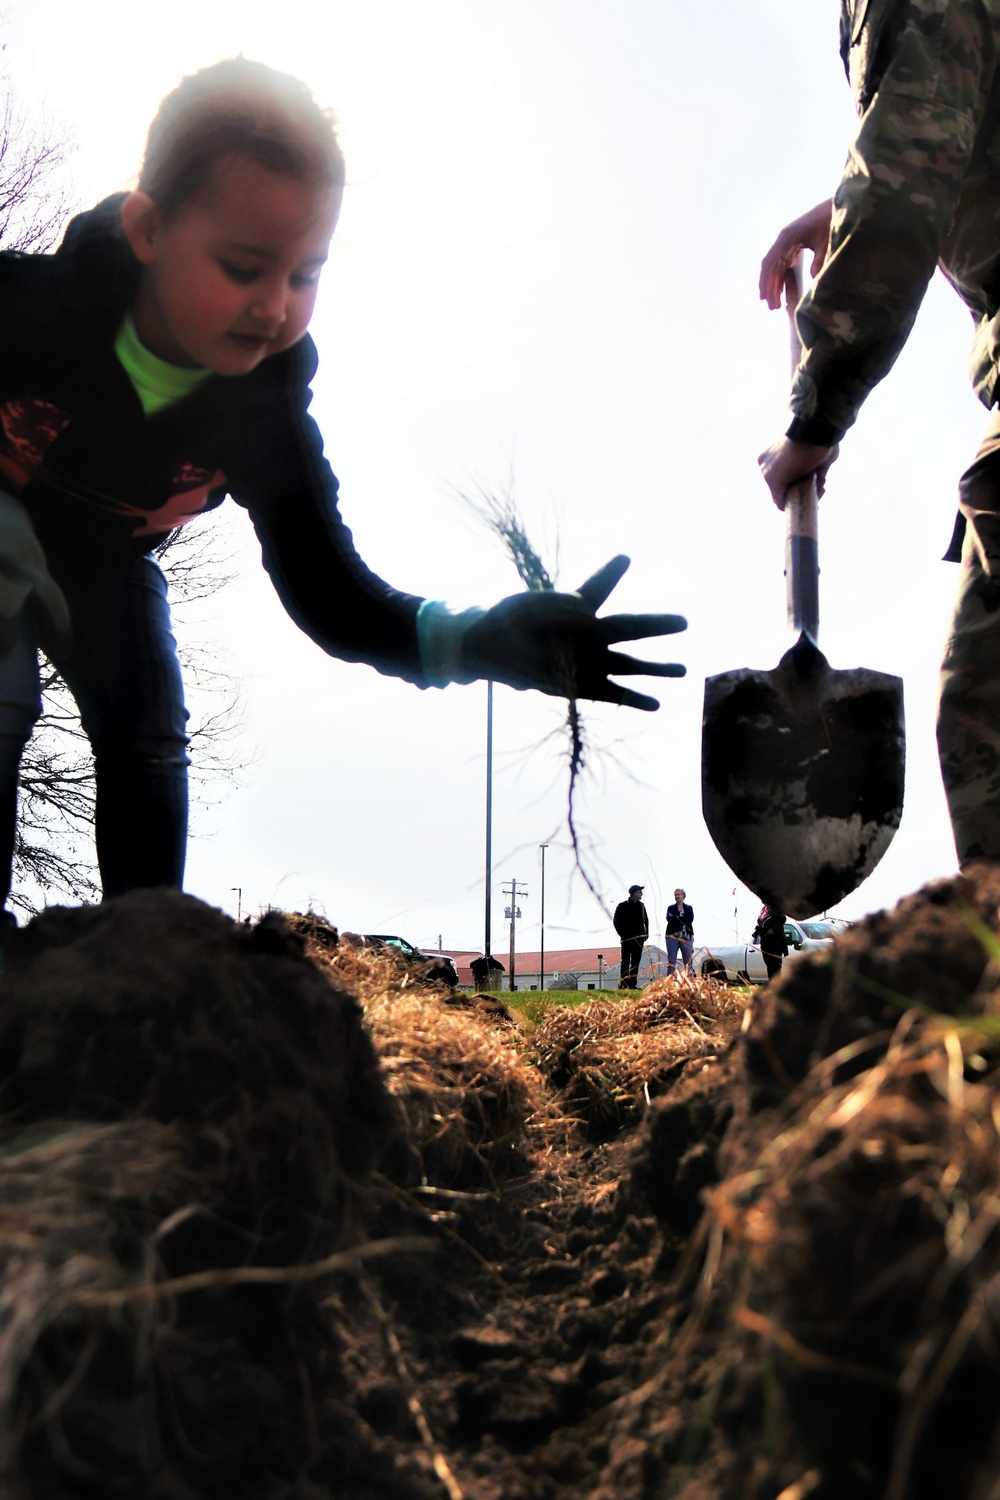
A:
x: 158, y: 1006
x: 839, y: 1295
x: 241, y: 1108
x: 928, y: 951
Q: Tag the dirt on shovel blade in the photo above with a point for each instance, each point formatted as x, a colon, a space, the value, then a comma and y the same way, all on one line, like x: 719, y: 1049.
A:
x: 802, y: 778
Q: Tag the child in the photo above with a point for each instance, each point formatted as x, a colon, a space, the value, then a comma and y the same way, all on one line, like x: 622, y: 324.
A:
x: 158, y: 361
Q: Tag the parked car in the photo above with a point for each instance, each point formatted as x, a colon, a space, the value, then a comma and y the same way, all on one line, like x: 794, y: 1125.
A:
x: 439, y: 966
x: 743, y: 963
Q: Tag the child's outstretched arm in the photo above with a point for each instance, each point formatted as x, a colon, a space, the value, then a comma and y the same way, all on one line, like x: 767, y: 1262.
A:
x: 547, y: 640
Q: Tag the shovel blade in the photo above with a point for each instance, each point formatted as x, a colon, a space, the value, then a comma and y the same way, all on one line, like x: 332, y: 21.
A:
x: 802, y: 776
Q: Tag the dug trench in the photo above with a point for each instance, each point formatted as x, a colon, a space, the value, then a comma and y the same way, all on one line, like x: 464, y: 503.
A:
x: 280, y: 1220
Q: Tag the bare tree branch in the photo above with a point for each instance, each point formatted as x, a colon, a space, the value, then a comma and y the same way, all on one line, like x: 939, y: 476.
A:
x: 34, y: 204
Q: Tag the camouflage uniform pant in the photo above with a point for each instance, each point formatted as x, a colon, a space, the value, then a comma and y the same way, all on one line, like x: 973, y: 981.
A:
x: 969, y: 706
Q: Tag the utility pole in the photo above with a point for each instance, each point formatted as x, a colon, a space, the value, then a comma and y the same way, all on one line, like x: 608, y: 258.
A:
x: 513, y: 911
x: 239, y: 900
x: 600, y: 971
x: 489, y: 814
x: 541, y: 961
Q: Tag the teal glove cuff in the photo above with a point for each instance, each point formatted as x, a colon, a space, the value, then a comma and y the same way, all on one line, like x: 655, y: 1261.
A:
x: 440, y: 633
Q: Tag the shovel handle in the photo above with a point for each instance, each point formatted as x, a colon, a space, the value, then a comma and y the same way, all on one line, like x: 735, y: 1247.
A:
x: 802, y: 558
x: 801, y: 510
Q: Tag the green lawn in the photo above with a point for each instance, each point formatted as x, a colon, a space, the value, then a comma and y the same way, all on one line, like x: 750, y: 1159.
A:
x: 530, y: 1006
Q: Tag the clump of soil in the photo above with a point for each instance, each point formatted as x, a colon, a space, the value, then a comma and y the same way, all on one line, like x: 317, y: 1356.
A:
x: 286, y: 1224
x: 928, y: 952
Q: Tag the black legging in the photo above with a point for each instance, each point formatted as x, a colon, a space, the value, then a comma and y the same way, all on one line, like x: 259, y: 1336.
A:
x: 123, y: 671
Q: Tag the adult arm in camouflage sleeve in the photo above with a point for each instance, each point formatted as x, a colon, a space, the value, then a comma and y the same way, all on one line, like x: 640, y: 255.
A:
x: 921, y: 72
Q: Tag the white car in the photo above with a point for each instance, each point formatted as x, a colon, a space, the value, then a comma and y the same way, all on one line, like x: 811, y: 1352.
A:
x: 743, y: 963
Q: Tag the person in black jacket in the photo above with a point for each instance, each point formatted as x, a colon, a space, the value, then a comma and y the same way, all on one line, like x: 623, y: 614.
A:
x: 157, y: 362
x: 632, y: 926
x: 770, y: 933
x: 486, y: 971
x: 680, y: 933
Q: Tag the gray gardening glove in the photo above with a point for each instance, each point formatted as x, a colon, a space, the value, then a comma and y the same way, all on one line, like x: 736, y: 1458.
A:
x: 554, y: 642
x: 24, y: 574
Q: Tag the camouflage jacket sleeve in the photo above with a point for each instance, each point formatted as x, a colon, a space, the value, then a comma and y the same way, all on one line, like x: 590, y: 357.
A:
x: 921, y: 72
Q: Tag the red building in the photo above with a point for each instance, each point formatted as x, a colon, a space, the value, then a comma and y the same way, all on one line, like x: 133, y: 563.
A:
x: 566, y: 968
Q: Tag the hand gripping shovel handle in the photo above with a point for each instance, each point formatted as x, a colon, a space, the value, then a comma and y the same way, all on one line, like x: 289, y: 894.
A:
x: 801, y: 508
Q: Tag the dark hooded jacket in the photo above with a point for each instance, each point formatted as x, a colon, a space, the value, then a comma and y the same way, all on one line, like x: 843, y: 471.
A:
x: 631, y: 920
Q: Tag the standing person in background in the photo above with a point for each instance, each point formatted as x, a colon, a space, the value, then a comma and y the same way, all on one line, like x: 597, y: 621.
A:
x: 680, y: 933
x: 486, y: 973
x: 770, y: 933
x: 921, y: 188
x: 632, y: 926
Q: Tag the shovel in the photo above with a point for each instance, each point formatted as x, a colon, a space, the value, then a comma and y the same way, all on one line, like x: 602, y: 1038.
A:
x: 802, y: 767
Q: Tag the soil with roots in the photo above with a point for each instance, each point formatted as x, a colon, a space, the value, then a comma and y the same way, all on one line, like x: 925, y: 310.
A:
x: 281, y: 1219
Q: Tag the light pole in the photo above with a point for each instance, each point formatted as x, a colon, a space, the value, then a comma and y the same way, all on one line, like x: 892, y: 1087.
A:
x: 600, y: 971
x: 239, y: 900
x: 489, y: 813
x: 541, y: 957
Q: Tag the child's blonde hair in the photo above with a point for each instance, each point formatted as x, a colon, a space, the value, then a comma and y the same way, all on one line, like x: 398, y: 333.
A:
x: 237, y: 108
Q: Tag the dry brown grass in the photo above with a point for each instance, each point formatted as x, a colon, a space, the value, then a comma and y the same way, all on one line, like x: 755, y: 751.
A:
x: 365, y: 973
x: 609, y: 1058
x: 473, y: 1097
x: 473, y: 1107
x: 699, y: 997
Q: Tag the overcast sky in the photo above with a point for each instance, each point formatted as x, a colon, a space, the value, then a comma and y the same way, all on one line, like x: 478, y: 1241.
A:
x: 546, y: 266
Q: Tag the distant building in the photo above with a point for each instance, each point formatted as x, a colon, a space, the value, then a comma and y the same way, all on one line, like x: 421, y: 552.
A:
x: 567, y: 968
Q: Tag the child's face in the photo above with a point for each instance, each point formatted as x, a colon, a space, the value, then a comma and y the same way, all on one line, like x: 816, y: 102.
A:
x: 230, y: 279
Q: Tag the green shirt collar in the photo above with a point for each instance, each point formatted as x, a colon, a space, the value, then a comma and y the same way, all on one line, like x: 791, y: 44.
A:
x: 157, y: 383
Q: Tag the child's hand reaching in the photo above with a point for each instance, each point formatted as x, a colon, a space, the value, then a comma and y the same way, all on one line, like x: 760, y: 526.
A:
x: 554, y: 642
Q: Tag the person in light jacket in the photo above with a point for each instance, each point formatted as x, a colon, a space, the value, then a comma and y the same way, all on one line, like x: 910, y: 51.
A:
x: 680, y: 934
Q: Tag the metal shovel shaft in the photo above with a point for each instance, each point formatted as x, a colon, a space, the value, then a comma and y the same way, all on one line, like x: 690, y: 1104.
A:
x: 802, y: 558
x: 801, y: 509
